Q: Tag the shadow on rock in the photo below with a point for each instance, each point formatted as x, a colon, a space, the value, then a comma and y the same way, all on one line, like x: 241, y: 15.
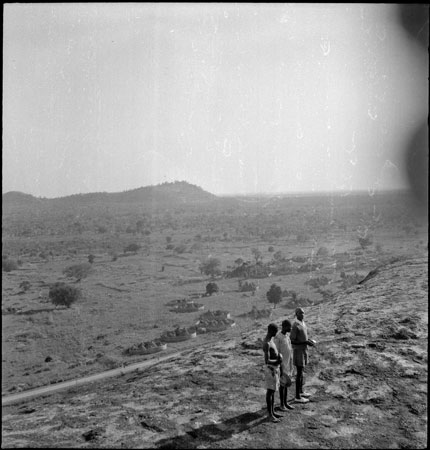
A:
x: 213, y: 433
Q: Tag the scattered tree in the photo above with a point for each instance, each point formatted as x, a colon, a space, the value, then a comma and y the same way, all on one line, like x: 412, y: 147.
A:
x: 258, y: 256
x: 211, y: 267
x: 278, y: 256
x: 62, y: 294
x: 274, y: 295
x: 211, y: 288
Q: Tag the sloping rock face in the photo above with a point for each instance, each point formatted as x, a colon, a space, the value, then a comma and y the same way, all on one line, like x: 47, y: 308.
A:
x: 367, y: 374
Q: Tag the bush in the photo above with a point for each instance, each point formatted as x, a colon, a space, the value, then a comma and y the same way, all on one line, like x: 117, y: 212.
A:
x: 132, y: 248
x: 317, y: 282
x: 302, y: 237
x: 170, y: 246
x: 181, y: 248
x: 78, y: 271
x: 351, y: 280
x: 247, y: 287
x: 25, y: 285
x: 9, y: 264
x: 211, y: 288
x: 365, y: 241
x: 62, y: 294
x: 274, y: 295
x: 91, y: 258
x: 322, y: 251
x: 271, y: 249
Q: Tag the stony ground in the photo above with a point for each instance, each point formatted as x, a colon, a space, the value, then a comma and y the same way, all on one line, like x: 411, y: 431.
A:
x: 367, y: 374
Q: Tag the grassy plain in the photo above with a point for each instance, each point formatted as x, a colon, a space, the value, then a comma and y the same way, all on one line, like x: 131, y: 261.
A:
x: 125, y: 300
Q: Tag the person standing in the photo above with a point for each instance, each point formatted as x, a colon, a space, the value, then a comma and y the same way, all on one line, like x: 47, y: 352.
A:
x: 300, y: 341
x: 283, y: 344
x: 272, y: 360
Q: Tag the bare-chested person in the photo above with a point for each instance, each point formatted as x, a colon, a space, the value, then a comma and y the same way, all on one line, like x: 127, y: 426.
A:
x: 272, y: 360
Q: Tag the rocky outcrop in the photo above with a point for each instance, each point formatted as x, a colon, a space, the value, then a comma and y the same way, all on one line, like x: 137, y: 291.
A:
x: 367, y: 376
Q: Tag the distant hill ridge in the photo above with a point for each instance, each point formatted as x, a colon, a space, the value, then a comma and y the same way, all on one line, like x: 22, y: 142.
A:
x: 177, y: 191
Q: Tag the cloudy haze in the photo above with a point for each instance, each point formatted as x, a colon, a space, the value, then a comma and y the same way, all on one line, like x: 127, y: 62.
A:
x: 235, y: 98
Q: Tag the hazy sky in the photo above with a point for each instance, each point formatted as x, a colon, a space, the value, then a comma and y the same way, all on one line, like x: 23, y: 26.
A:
x: 235, y: 98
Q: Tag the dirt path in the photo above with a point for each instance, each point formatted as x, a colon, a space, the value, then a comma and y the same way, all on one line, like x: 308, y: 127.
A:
x: 15, y: 398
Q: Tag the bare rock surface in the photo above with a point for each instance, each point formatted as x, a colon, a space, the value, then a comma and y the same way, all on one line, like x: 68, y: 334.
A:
x: 367, y: 375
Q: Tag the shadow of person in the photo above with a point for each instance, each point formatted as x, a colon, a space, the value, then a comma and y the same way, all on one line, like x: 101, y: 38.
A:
x: 214, y: 432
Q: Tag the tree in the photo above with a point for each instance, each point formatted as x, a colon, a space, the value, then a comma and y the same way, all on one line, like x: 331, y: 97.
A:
x: 62, y: 294
x: 211, y: 267
x: 278, y: 256
x: 258, y: 256
x: 211, y: 288
x: 274, y: 294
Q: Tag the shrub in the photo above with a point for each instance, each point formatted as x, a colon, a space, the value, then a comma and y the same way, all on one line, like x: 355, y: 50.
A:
x: 78, y: 271
x: 278, y: 256
x: 365, y: 241
x: 350, y: 280
x: 170, y: 246
x: 302, y: 237
x: 271, y: 249
x: 91, y: 258
x: 247, y: 287
x: 25, y: 285
x: 317, y: 282
x: 322, y: 251
x: 132, y: 248
x: 181, y: 248
x: 211, y: 288
x: 9, y: 264
x: 274, y: 294
x: 62, y: 294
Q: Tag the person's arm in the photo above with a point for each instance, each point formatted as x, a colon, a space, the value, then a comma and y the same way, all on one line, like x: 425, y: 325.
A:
x: 294, y: 335
x: 267, y: 360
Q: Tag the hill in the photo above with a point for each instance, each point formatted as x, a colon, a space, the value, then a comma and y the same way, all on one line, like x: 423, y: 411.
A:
x: 367, y: 374
x: 18, y: 198
x: 178, y: 192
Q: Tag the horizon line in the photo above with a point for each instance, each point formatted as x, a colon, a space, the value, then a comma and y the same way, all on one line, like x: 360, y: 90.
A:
x: 246, y: 194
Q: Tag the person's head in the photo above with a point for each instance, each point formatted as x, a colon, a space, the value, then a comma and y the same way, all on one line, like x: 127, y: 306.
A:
x: 300, y: 313
x: 286, y: 326
x: 272, y: 329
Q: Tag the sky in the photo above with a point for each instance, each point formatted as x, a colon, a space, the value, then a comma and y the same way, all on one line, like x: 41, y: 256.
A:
x: 234, y: 98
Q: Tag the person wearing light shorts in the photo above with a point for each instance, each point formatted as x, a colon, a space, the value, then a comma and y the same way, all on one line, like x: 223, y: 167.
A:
x: 272, y: 360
